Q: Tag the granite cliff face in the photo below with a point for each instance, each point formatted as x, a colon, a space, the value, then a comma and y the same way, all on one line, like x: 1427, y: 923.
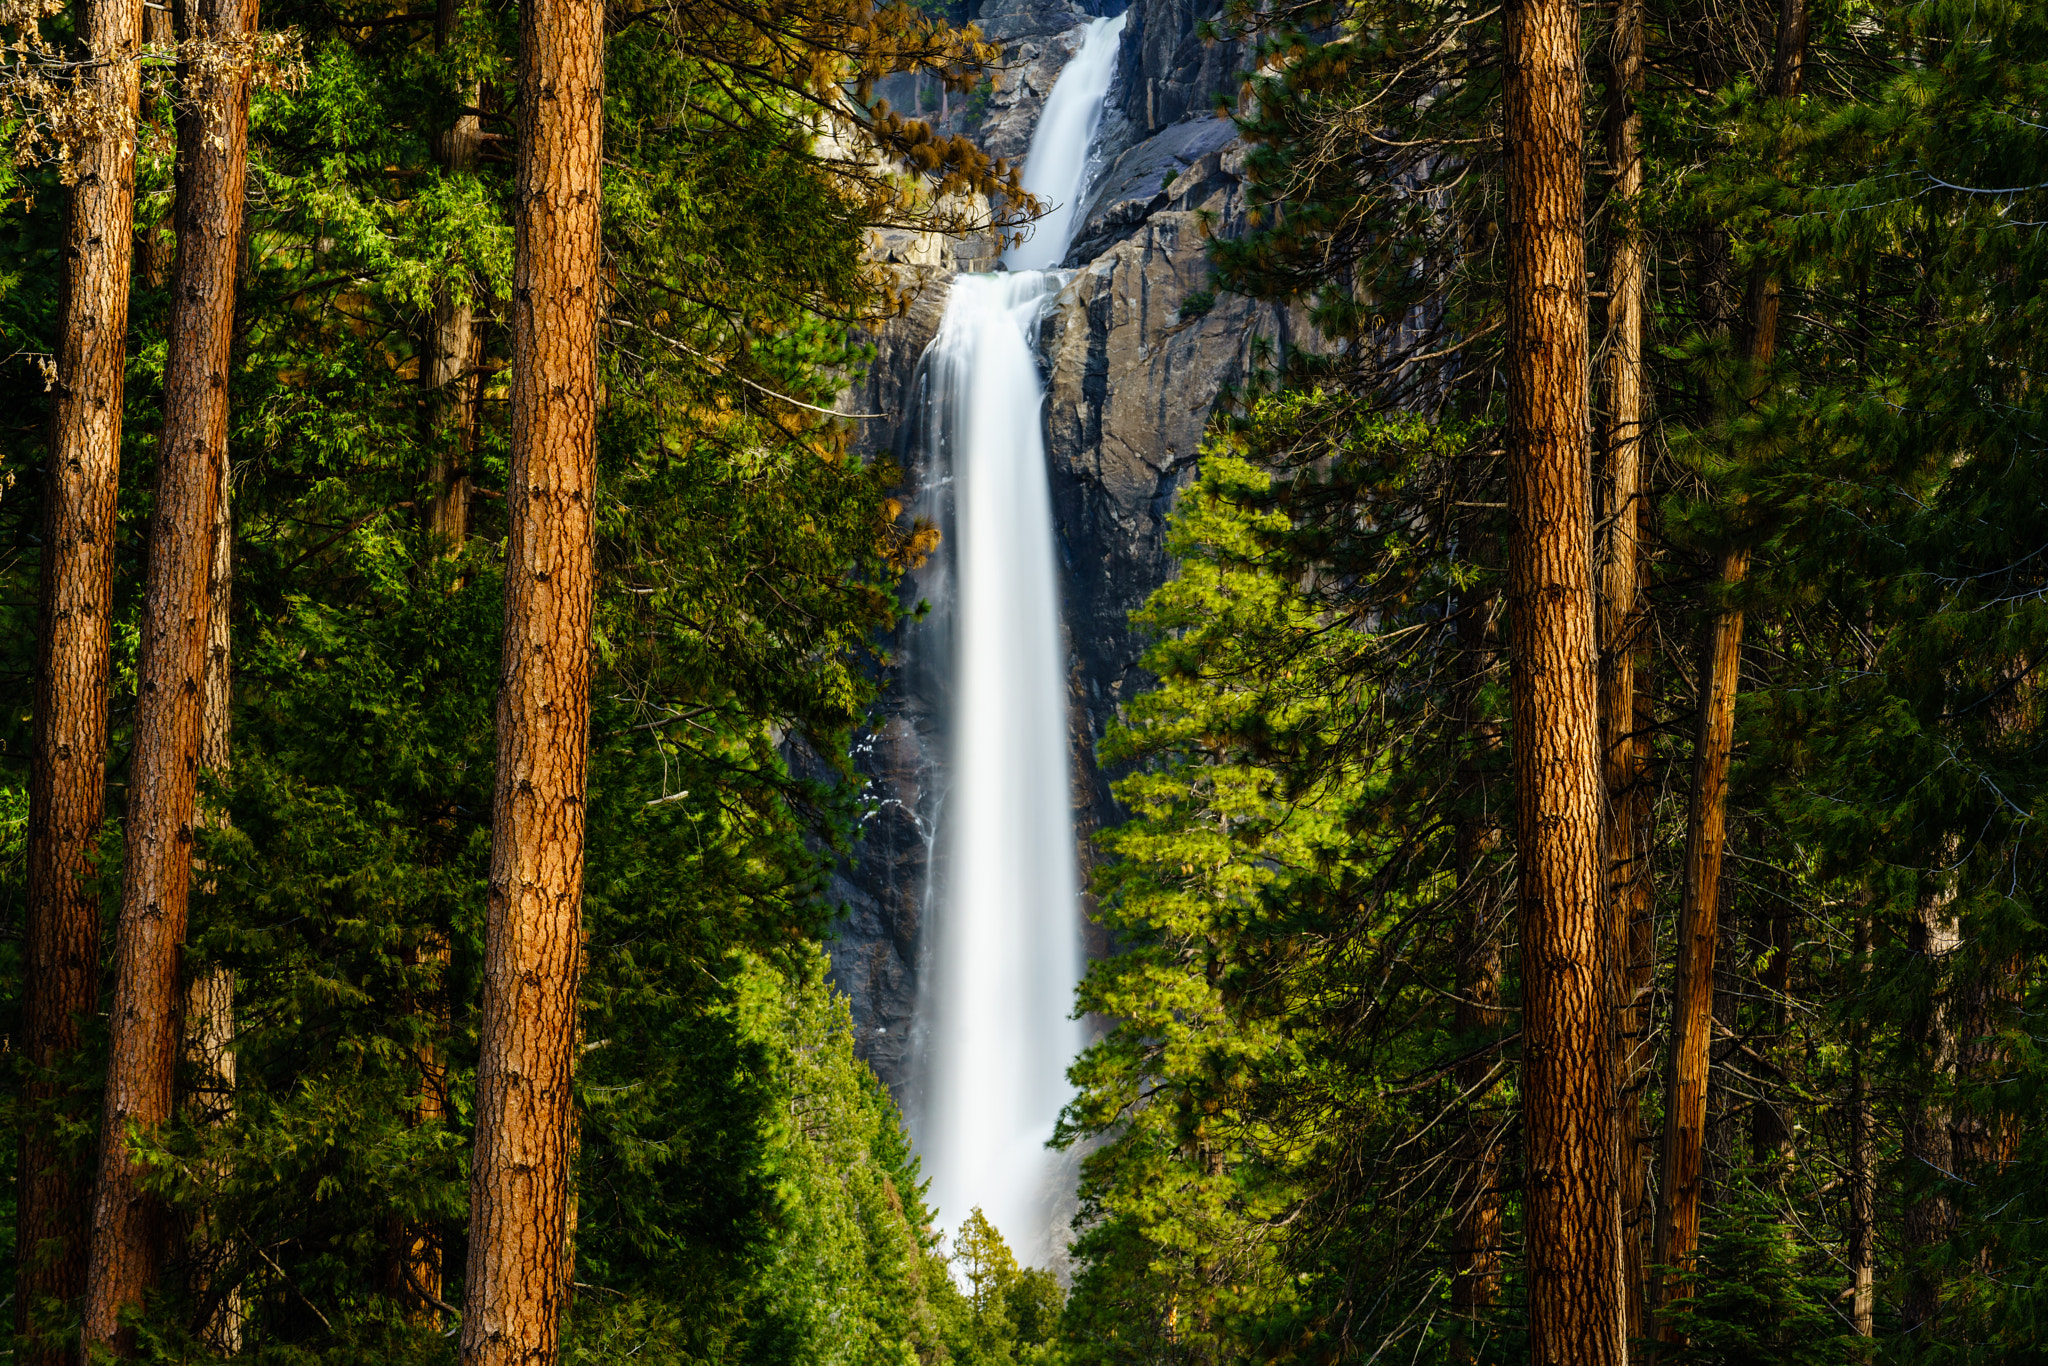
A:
x: 1130, y: 387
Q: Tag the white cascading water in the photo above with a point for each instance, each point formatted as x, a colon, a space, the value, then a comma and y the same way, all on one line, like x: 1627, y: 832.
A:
x: 1056, y: 167
x: 1005, y: 944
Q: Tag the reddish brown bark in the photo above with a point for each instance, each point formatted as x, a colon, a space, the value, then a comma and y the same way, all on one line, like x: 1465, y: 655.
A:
x: 1623, y: 741
x: 1692, y: 1014
x: 520, y: 1176
x: 144, y: 1043
x: 67, y: 781
x: 1574, y: 1308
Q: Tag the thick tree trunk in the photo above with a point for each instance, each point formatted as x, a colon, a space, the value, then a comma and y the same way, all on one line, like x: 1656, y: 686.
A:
x: 143, y: 1049
x: 67, y: 782
x: 1573, y: 1213
x: 1623, y: 748
x: 1476, y: 1237
x: 520, y: 1176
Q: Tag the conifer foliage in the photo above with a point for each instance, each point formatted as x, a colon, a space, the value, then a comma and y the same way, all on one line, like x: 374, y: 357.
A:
x: 1322, y: 1118
x: 462, y: 386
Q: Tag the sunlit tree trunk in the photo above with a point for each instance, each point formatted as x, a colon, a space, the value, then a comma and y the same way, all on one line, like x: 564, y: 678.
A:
x: 144, y: 1043
x: 520, y: 1175
x: 1692, y: 1013
x: 1678, y: 1214
x: 1622, y: 745
x: 67, y: 778
x: 1574, y: 1304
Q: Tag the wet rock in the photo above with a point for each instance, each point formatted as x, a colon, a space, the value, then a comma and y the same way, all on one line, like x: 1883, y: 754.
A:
x: 1167, y: 71
x: 1039, y: 38
x: 1149, y: 177
x: 1131, y: 384
x: 873, y: 951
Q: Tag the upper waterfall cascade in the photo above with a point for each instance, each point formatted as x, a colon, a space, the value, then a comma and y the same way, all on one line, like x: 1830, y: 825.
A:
x: 1056, y: 166
x: 1004, y: 945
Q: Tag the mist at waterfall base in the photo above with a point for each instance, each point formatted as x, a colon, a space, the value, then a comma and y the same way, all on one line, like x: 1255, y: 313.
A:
x: 1003, y: 947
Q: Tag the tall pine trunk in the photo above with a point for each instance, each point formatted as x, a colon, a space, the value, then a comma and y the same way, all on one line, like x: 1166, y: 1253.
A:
x: 67, y: 782
x: 143, y: 1048
x: 1685, y: 1103
x: 1692, y: 1012
x: 1623, y: 745
x: 533, y: 938
x: 1574, y: 1301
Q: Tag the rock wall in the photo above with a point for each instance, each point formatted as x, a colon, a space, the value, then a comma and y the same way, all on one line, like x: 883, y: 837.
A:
x: 1131, y: 385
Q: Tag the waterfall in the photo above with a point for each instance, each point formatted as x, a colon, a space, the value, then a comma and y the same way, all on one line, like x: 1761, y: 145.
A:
x: 1004, y: 943
x: 1056, y: 166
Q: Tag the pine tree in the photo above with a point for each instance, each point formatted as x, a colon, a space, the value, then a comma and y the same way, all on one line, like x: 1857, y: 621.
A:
x: 1624, y: 624
x: 1574, y: 1308
x: 68, y: 780
x: 144, y: 1048
x: 519, y: 1183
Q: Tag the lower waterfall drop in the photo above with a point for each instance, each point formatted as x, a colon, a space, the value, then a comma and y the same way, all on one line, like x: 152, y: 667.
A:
x: 1004, y: 948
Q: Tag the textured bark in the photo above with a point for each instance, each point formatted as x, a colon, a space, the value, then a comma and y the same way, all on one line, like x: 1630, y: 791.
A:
x: 209, y: 1016
x: 143, y: 1048
x: 520, y: 1176
x: 1476, y: 1239
x: 1623, y: 736
x: 1692, y: 1014
x: 1574, y: 1305
x: 448, y: 371
x: 67, y: 782
x: 1724, y: 1101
